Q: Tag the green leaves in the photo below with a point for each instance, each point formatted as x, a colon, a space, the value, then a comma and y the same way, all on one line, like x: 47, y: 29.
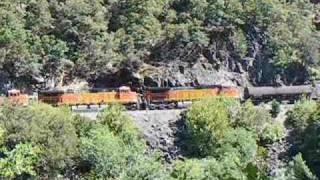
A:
x: 92, y: 39
x: 296, y: 170
x: 114, y: 150
x: 19, y: 162
x: 46, y: 128
x: 206, y: 125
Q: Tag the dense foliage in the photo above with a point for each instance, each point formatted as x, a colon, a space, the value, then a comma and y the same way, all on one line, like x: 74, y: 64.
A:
x: 51, y: 40
x: 226, y: 142
x: 304, y: 119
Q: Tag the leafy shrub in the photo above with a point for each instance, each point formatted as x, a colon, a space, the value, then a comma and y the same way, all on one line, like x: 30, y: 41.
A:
x: 296, y: 170
x: 211, y: 133
x: 309, y: 145
x: 120, y: 124
x: 225, y: 168
x: 273, y: 132
x: 106, y: 153
x: 239, y: 142
x: 275, y: 108
x: 253, y: 118
x: 206, y: 125
x: 301, y: 114
x: 146, y: 167
x: 189, y: 169
x: 19, y: 162
x: 45, y: 127
x: 114, y: 149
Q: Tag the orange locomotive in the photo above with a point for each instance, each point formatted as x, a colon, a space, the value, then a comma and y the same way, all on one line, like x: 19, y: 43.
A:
x: 15, y: 96
x: 156, y: 97
x: 123, y: 95
x: 147, y: 98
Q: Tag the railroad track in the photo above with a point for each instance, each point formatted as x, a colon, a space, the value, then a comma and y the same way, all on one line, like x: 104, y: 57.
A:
x: 97, y: 108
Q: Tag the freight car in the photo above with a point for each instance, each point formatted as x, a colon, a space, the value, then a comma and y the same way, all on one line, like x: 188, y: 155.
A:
x: 283, y: 93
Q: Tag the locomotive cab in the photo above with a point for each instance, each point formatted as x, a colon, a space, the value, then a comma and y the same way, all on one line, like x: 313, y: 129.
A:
x: 13, y: 93
x: 124, y: 89
x: 16, y: 96
x: 128, y: 97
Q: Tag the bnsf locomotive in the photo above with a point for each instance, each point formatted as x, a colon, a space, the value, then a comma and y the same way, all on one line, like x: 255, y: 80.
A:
x: 153, y: 98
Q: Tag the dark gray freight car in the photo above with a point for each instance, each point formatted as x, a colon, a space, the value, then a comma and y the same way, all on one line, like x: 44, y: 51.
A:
x: 281, y: 93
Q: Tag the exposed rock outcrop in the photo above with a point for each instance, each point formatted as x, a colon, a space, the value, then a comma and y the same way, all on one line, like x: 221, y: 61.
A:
x: 159, y: 129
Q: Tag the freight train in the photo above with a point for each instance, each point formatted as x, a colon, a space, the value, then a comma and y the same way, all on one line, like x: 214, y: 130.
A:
x: 158, y: 98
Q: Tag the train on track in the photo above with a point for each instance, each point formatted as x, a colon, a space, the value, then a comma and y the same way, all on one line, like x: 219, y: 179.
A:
x: 161, y: 98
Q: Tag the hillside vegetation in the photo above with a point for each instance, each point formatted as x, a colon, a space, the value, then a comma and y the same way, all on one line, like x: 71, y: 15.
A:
x: 229, y: 141
x: 57, y: 41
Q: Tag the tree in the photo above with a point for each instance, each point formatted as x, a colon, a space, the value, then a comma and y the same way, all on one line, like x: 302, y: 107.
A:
x: 146, y: 167
x: 107, y: 155
x: 19, y: 162
x: 211, y: 168
x: 272, y: 133
x: 120, y: 124
x: 309, y: 144
x: 47, y: 128
x: 206, y: 125
x: 15, y: 58
x: 238, y: 142
x: 301, y: 114
x: 296, y: 170
x: 275, y: 108
x: 113, y: 149
x: 252, y: 118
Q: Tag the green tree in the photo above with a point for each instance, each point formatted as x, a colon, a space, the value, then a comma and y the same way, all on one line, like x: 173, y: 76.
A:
x: 252, y: 118
x: 240, y: 143
x: 296, y: 170
x: 106, y: 153
x: 120, y: 124
x: 275, y: 108
x: 124, y: 157
x: 207, y: 125
x: 301, y: 114
x: 210, y: 168
x: 309, y: 144
x: 146, y: 167
x: 47, y: 128
x: 273, y: 132
x: 19, y: 162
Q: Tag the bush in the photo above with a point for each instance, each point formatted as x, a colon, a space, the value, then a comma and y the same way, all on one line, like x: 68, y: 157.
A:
x: 275, y: 108
x: 252, y: 118
x: 309, y: 145
x: 206, y: 125
x: 20, y: 162
x: 211, y: 133
x: 301, y: 114
x: 239, y: 142
x: 210, y: 168
x: 147, y: 167
x: 296, y: 170
x: 273, y: 133
x: 113, y: 149
x: 106, y: 153
x: 120, y: 124
x: 110, y: 157
x: 188, y: 170
x: 45, y: 127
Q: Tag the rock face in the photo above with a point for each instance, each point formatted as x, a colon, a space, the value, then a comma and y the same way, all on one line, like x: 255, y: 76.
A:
x: 159, y: 129
x: 172, y: 64
x: 201, y: 72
